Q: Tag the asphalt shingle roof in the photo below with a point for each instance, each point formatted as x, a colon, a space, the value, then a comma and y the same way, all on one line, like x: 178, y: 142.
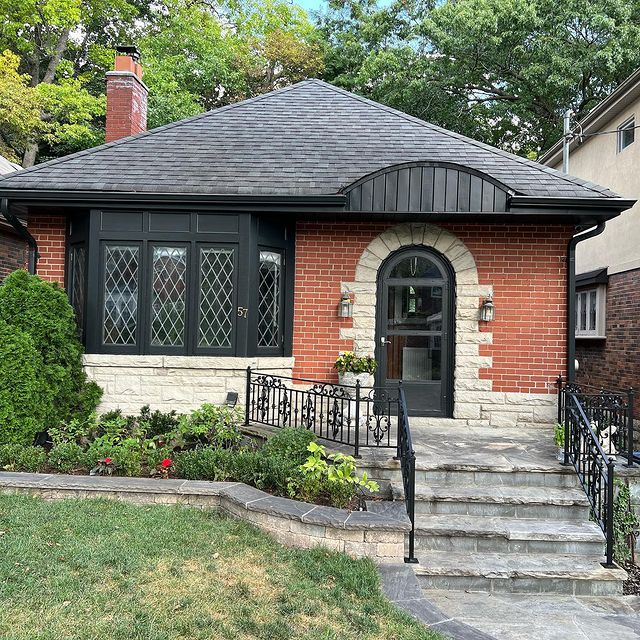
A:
x: 307, y: 139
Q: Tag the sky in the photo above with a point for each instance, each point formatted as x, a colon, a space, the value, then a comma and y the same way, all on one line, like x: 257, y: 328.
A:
x: 311, y: 5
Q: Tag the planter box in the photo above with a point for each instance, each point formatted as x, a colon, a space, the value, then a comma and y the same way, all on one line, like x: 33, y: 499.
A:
x: 349, y: 379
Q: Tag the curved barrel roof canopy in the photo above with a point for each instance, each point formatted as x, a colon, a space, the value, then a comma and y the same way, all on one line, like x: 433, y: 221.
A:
x: 308, y: 139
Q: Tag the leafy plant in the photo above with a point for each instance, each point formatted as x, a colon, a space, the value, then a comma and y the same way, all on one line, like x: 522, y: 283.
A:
x: 291, y: 444
x: 41, y: 310
x: 333, y: 475
x: 126, y: 455
x: 349, y: 362
x: 25, y: 396
x: 209, y: 425
x: 104, y: 467
x: 17, y: 457
x: 625, y: 522
x: 67, y: 457
x: 558, y: 435
x: 76, y: 430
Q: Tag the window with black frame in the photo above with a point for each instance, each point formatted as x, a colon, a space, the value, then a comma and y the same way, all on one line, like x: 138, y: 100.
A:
x: 218, y: 287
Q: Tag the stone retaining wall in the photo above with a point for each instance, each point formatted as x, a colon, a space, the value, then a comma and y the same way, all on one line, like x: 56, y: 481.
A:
x: 182, y: 383
x: 292, y: 523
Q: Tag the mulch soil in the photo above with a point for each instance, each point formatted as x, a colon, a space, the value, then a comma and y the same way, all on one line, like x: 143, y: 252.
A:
x: 632, y: 585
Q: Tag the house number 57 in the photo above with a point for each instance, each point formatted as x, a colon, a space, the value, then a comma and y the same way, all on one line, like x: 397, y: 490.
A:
x: 242, y: 312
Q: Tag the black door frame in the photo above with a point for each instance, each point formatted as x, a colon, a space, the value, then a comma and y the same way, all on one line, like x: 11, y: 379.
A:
x: 448, y: 325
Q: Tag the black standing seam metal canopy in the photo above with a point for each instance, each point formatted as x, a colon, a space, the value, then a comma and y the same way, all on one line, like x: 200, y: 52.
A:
x: 309, y: 140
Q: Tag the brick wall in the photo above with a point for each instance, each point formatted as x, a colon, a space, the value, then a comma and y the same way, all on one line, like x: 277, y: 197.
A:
x: 614, y: 363
x: 13, y: 253
x: 50, y: 235
x: 524, y: 265
x: 126, y: 106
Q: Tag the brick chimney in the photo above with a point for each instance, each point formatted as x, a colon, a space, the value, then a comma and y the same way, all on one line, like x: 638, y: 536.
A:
x: 126, y: 96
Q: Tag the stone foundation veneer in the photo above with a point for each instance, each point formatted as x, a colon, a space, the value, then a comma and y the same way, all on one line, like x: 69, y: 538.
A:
x: 182, y: 383
x: 474, y: 399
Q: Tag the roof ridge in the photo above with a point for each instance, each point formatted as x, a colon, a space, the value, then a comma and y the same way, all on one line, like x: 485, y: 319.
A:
x: 149, y: 132
x: 486, y: 147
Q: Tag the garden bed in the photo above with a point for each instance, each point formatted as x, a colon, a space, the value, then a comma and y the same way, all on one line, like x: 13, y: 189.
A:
x: 206, y: 444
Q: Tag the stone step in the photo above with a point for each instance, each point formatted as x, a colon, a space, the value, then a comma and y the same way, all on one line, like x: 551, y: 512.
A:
x: 461, y: 533
x: 492, y: 478
x: 506, y: 501
x: 515, y: 573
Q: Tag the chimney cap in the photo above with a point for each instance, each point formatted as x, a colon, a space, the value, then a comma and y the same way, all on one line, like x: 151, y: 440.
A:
x: 129, y: 50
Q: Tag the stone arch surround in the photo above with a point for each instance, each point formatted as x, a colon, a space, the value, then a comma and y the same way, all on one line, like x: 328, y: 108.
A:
x: 474, y: 400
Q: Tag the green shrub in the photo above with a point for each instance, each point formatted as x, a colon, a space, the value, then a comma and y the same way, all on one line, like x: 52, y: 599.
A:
x: 126, y: 455
x: 66, y: 457
x: 156, y: 423
x: 76, y: 431
x: 17, y: 457
x: 24, y: 394
x: 218, y: 426
x: 291, y: 444
x: 207, y: 463
x: 41, y: 310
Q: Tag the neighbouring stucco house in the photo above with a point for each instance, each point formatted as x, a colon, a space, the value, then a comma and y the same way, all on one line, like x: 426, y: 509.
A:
x: 605, y: 149
x: 229, y: 239
x: 12, y: 245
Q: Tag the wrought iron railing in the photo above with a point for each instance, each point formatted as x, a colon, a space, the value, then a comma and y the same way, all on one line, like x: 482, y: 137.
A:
x: 407, y: 457
x: 594, y: 468
x: 610, y: 415
x: 355, y: 416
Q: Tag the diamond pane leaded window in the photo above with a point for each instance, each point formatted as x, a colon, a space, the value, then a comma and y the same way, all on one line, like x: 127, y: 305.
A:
x: 78, y: 262
x: 120, y: 313
x: 168, y: 293
x: 269, y: 286
x: 215, y: 325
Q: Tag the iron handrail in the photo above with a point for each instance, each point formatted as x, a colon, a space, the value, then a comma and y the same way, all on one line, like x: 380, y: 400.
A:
x: 355, y: 416
x: 604, y: 408
x: 336, y: 412
x: 407, y: 457
x: 594, y: 468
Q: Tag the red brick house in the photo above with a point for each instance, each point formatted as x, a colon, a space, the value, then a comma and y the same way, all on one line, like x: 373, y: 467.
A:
x: 229, y: 239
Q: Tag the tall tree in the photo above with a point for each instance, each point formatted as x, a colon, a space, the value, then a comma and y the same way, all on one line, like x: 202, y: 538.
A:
x: 502, y: 71
x: 60, y: 43
x: 19, y: 108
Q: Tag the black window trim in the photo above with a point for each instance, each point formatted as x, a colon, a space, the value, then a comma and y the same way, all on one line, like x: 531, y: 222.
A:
x: 247, y: 243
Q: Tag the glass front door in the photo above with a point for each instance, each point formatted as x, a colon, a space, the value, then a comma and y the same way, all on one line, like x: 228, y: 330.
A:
x: 414, y: 312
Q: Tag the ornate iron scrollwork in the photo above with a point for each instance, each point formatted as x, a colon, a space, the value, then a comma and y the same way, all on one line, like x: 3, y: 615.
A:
x: 308, y: 413
x: 284, y: 407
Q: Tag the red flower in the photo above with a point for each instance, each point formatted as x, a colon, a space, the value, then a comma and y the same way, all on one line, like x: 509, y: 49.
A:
x: 166, y: 463
x: 107, y: 460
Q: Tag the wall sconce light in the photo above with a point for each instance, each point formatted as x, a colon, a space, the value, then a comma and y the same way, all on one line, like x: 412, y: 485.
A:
x: 345, y: 306
x: 488, y: 309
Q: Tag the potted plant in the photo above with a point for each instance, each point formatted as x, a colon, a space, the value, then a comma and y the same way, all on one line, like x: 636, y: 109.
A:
x: 352, y: 368
x: 558, y: 438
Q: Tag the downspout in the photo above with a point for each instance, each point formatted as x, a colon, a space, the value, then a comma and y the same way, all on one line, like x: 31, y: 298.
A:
x: 21, y: 230
x: 571, y: 297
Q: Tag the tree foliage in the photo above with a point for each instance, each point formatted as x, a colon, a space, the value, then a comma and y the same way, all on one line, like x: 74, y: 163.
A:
x: 196, y: 55
x: 502, y: 71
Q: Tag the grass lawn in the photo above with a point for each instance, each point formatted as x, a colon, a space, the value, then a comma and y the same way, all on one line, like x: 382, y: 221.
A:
x: 95, y: 569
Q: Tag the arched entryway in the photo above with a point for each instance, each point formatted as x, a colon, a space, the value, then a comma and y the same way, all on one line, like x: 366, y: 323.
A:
x: 415, y: 329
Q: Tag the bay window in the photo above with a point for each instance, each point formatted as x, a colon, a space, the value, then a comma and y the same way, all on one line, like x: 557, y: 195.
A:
x: 193, y: 283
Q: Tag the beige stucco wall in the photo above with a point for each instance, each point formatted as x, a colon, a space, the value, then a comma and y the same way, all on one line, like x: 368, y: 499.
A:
x: 598, y: 160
